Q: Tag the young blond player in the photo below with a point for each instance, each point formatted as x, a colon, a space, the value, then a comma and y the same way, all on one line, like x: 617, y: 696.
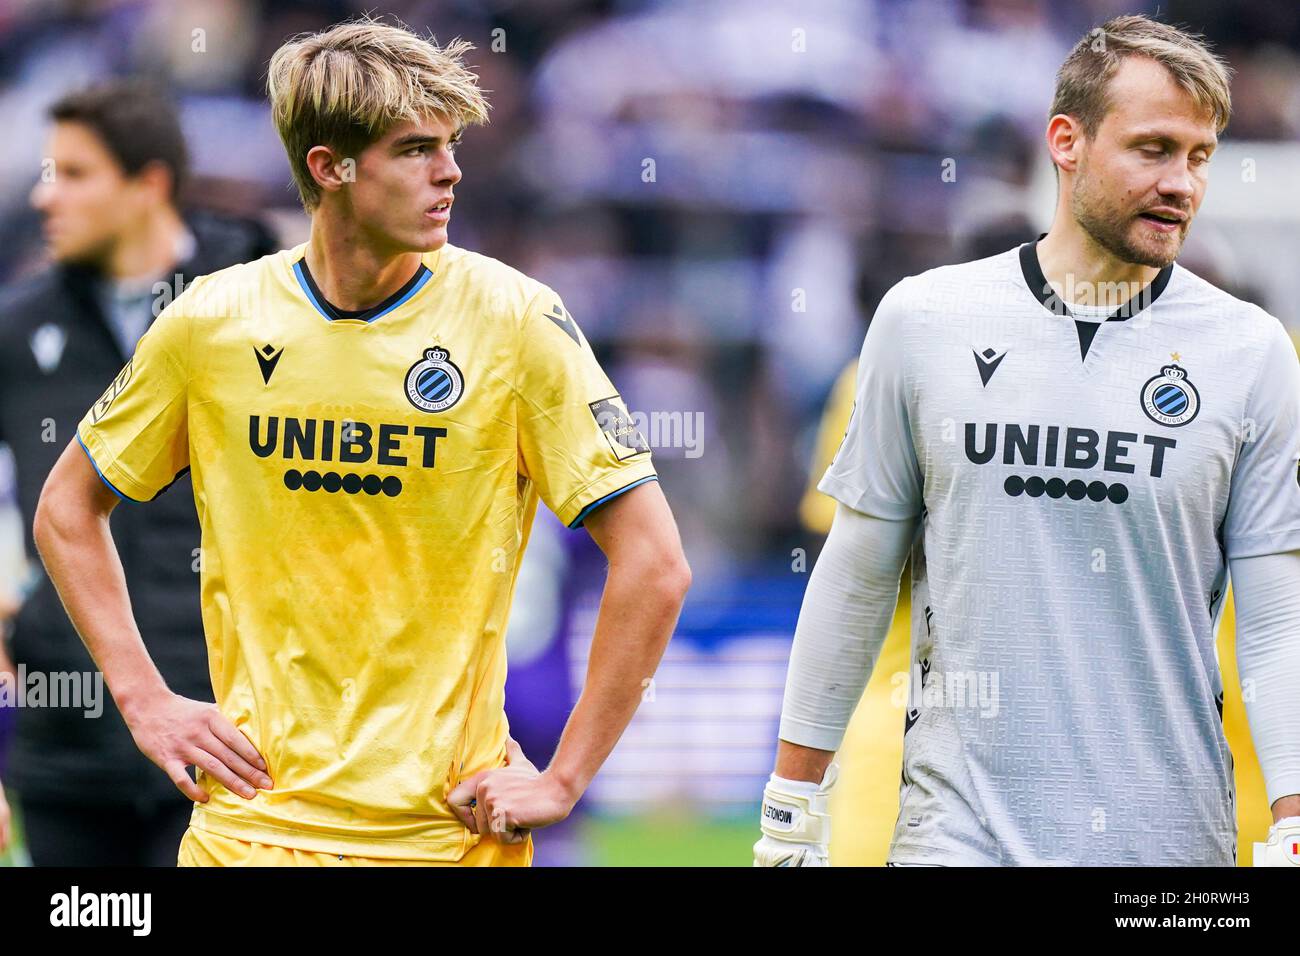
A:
x: 369, y: 419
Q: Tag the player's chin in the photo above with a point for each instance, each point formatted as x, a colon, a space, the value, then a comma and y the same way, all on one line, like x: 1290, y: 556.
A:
x: 62, y: 247
x: 430, y: 237
x: 1154, y: 248
x: 68, y: 254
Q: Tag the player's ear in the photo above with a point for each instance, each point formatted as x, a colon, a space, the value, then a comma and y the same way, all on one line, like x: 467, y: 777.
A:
x: 327, y: 168
x: 1064, y: 140
x: 157, y: 179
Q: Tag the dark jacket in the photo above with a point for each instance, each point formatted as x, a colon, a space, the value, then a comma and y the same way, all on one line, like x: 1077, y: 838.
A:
x: 59, y: 754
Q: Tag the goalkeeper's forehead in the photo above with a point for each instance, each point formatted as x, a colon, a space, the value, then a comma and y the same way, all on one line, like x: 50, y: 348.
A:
x: 1144, y: 99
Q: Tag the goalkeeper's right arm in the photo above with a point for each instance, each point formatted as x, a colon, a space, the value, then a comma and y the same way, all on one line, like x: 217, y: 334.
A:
x: 846, y: 614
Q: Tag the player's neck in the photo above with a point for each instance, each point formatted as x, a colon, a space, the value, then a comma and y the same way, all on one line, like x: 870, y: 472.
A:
x: 148, y: 251
x: 350, y: 273
x: 1083, y: 273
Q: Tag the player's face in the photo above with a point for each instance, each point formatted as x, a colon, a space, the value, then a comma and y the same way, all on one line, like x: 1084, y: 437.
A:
x: 86, y: 199
x: 403, y: 190
x: 1141, y: 180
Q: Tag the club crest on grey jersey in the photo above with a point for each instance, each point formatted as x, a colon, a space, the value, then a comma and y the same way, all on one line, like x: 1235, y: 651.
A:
x: 1170, y: 398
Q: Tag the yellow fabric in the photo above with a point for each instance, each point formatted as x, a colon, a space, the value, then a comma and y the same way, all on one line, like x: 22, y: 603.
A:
x: 356, y: 635
x: 817, y: 510
x: 201, y: 848
x: 864, y: 804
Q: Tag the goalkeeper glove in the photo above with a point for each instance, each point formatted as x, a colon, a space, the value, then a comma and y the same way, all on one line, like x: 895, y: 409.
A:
x: 796, y: 822
x: 1283, y: 846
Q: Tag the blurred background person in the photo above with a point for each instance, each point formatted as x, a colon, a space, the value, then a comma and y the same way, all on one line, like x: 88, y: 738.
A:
x: 13, y: 572
x: 121, y: 249
x: 5, y: 820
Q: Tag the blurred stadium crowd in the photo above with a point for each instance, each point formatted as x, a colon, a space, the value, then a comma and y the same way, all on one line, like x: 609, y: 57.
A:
x: 721, y: 190
x: 796, y: 158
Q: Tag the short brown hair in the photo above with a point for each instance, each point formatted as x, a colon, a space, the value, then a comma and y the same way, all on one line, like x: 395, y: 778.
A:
x: 347, y: 86
x: 1081, y: 83
x: 135, y: 121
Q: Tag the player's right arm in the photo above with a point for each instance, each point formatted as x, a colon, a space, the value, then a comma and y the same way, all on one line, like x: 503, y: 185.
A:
x: 852, y: 592
x: 73, y: 537
x: 131, y: 444
x: 847, y: 611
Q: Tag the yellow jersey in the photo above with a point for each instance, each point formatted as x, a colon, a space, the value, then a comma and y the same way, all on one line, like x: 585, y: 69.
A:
x: 365, y: 483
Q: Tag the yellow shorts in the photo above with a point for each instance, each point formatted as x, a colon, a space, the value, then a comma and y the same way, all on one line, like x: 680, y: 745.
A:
x: 204, y: 848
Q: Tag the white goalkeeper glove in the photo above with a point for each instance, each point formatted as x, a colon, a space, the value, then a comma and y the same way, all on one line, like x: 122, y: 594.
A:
x: 1283, y: 846
x: 796, y: 822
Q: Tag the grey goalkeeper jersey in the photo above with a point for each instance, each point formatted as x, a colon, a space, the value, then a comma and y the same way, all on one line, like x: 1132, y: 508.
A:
x: 1080, y: 485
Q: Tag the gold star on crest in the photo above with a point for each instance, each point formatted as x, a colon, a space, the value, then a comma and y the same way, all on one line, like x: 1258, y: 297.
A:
x: 1175, y: 356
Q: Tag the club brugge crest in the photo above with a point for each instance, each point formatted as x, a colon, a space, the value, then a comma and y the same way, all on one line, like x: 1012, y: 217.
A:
x: 434, y: 383
x: 1170, y: 398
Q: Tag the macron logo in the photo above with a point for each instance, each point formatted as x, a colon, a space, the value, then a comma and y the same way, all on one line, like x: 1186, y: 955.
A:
x: 267, y: 358
x: 988, y: 362
x: 103, y: 909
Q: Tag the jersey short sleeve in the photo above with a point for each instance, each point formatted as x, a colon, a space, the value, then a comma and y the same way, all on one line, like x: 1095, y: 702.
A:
x: 577, y: 441
x: 137, y: 433
x: 875, y: 470
x: 1264, y: 499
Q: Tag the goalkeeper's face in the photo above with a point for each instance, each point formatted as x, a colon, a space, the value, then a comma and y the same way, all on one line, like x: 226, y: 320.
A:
x: 401, y: 197
x: 1141, y: 179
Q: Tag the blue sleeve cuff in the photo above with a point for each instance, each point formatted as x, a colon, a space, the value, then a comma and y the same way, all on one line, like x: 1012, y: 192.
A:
x: 95, y: 465
x: 582, y: 515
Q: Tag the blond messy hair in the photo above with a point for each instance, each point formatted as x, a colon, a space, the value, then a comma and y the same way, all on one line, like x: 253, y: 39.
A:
x: 1081, y: 83
x: 349, y: 85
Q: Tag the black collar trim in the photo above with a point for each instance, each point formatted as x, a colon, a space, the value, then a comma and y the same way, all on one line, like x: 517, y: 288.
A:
x: 1045, y: 294
x: 332, y: 312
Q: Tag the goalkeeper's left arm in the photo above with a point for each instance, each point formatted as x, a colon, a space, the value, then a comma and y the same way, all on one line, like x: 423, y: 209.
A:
x: 1268, y: 660
x: 846, y: 614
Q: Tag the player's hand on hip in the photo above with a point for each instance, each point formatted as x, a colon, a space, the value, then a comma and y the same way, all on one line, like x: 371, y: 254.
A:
x: 176, y: 732
x: 796, y: 822
x: 507, y: 802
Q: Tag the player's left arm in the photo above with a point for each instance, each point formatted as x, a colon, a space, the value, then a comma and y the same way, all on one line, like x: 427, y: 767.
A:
x: 647, y: 582
x: 1266, y: 588
x: 644, y: 590
x: 581, y: 449
x: 1261, y: 534
x: 1267, y: 593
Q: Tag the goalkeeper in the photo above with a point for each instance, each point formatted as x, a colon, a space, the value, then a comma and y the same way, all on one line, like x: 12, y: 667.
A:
x: 1073, y: 500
